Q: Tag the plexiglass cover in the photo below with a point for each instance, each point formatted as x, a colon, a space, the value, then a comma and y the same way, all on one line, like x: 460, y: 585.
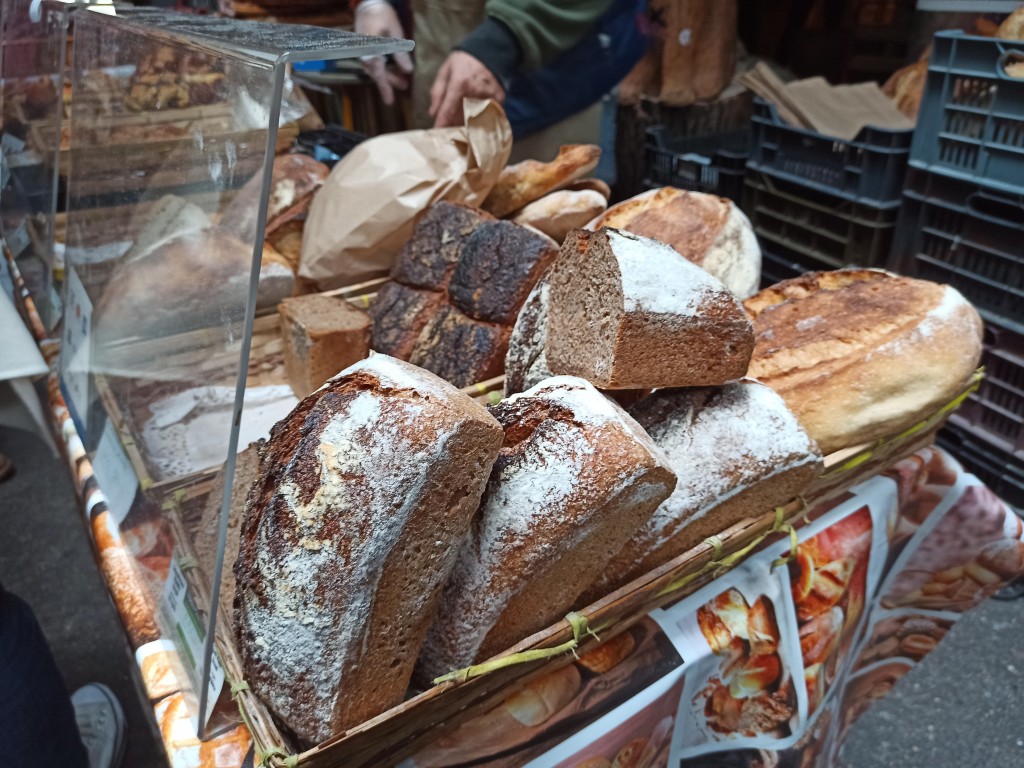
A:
x: 174, y: 118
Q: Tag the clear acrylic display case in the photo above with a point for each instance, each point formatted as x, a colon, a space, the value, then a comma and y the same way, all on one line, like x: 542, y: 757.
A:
x: 163, y: 364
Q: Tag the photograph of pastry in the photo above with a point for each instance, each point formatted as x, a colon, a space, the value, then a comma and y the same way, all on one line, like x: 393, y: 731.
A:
x: 906, y: 636
x: 948, y: 571
x: 867, y: 687
x: 829, y: 585
x: 749, y: 691
x: 557, y: 705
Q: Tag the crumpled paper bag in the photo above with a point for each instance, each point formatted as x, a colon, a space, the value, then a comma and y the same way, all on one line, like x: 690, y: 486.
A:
x: 366, y: 209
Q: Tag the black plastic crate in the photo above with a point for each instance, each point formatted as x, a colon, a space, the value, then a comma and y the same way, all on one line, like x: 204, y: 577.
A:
x: 1003, y: 476
x: 971, y: 121
x: 329, y: 144
x: 714, y: 163
x: 869, y: 169
x: 968, y: 235
x: 830, y: 230
x: 780, y: 263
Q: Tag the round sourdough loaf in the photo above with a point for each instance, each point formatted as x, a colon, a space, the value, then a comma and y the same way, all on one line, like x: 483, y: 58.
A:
x: 859, y: 354
x: 708, y: 230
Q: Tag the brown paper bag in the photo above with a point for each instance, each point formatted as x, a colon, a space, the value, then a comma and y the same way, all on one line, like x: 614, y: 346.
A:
x: 366, y: 209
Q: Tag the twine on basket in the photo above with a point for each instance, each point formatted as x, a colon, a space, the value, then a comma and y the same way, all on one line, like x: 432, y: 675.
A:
x: 288, y: 760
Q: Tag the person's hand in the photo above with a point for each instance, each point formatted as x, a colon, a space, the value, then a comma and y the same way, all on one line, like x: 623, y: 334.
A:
x: 379, y: 19
x: 461, y: 75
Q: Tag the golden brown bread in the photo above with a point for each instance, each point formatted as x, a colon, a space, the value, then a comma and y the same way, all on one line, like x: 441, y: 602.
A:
x: 707, y: 230
x: 608, y: 654
x: 539, y: 700
x: 1012, y: 27
x: 861, y: 354
x: 905, y: 87
x: 530, y: 180
x: 558, y: 212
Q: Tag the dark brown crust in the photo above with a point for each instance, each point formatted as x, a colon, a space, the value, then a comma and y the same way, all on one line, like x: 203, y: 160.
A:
x: 499, y: 265
x: 399, y: 314
x: 437, y: 242
x: 461, y: 350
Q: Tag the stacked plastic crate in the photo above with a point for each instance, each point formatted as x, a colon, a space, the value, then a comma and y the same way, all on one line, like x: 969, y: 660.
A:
x: 962, y: 223
x: 818, y: 202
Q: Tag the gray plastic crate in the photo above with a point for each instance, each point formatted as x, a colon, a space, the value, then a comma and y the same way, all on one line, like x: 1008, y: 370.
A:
x: 971, y: 121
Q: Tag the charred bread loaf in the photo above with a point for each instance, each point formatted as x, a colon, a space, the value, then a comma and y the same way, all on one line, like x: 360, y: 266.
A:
x: 459, y: 349
x: 574, y: 480
x: 859, y: 354
x: 530, y: 180
x: 365, y: 492
x: 399, y: 314
x: 708, y: 230
x: 430, y: 255
x: 736, y: 450
x: 628, y: 312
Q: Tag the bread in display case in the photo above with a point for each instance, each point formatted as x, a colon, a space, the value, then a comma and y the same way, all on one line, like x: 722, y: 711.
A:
x: 165, y: 367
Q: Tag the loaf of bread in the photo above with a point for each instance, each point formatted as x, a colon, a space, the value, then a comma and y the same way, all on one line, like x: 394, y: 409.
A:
x: 737, y: 452
x: 459, y: 349
x: 430, y: 255
x: 628, y: 312
x: 576, y: 477
x: 707, y: 230
x: 399, y: 314
x: 247, y: 465
x: 293, y: 181
x: 321, y: 335
x: 499, y: 265
x: 557, y: 213
x: 860, y: 354
x: 526, y: 363
x: 364, y: 494
x: 530, y: 180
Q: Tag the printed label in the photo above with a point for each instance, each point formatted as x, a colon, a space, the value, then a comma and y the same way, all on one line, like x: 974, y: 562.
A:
x: 76, y: 349
x: 115, y: 473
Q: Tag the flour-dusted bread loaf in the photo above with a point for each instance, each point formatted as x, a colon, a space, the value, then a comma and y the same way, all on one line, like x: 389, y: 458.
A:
x: 859, y: 354
x: 628, y: 312
x: 364, y: 494
x: 499, y: 265
x: 399, y: 314
x: 247, y: 465
x: 557, y: 213
x: 574, y: 480
x: 737, y: 452
x: 322, y: 335
x: 526, y: 363
x: 530, y: 180
x: 459, y: 349
x: 430, y: 255
x: 708, y: 230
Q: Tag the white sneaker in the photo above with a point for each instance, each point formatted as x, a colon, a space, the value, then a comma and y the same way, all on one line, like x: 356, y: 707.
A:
x: 101, y: 724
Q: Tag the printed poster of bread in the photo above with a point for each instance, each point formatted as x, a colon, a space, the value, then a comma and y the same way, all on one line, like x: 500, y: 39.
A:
x: 749, y: 692
x: 948, y: 571
x: 227, y: 750
x: 559, y: 705
x: 828, y: 579
x: 861, y: 354
x: 909, y: 636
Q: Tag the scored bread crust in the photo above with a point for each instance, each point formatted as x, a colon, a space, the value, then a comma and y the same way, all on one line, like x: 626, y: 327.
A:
x: 861, y: 354
x: 575, y: 478
x: 530, y: 180
x: 364, y: 493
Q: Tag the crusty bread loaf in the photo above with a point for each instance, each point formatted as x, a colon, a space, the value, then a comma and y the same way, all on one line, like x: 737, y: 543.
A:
x: 596, y: 185
x: 399, y: 314
x: 737, y: 452
x: 861, y: 354
x: 628, y: 312
x: 530, y: 180
x: 294, y: 179
x: 905, y: 87
x: 498, y: 267
x: 574, y: 480
x: 459, y: 349
x: 430, y: 255
x: 364, y: 493
x: 526, y: 363
x: 1012, y: 27
x: 558, y: 212
x: 707, y: 230
x: 247, y: 466
x: 322, y: 335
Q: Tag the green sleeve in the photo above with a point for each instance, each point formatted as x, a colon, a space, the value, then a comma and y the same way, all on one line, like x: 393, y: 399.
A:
x: 545, y: 29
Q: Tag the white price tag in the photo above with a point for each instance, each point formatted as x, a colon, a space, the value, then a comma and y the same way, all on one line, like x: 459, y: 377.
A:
x: 19, y: 239
x: 5, y: 278
x: 76, y: 348
x: 56, y: 308
x: 11, y: 145
x: 188, y: 634
x: 115, y: 473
